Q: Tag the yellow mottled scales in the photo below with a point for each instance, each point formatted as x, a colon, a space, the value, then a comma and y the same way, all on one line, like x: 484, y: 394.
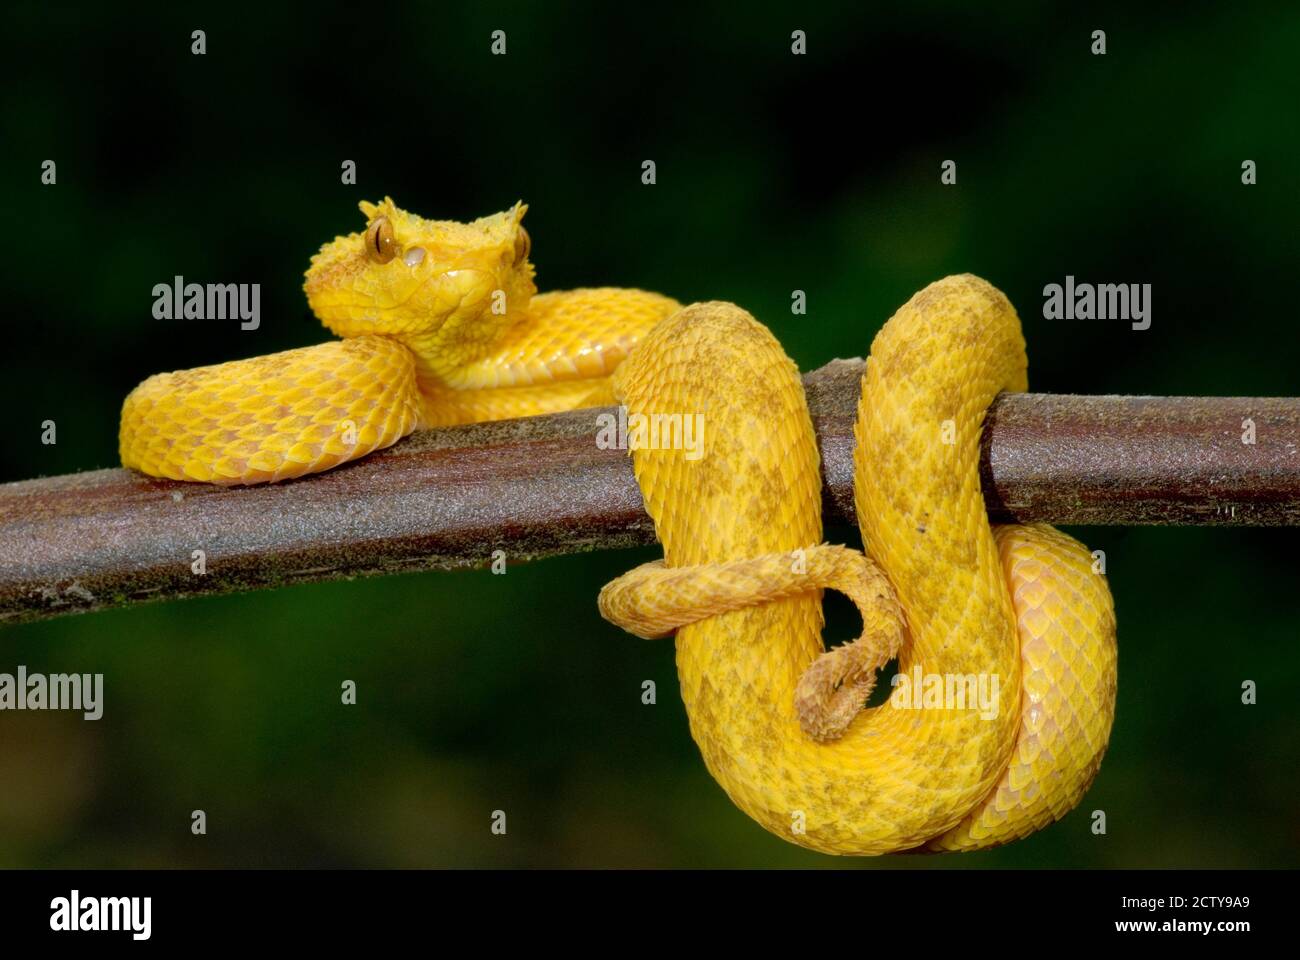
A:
x: 1066, y: 625
x: 741, y: 525
x: 272, y: 417
x: 442, y: 325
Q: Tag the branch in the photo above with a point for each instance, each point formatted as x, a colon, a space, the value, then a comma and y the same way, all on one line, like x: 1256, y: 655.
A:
x: 537, y: 487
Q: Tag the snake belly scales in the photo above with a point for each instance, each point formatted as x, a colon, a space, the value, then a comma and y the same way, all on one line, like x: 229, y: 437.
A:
x: 1004, y: 636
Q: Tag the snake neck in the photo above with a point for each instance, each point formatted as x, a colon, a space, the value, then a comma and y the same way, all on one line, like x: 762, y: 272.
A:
x: 444, y: 354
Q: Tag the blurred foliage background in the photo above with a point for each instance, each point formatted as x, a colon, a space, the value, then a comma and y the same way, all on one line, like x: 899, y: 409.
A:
x: 775, y: 173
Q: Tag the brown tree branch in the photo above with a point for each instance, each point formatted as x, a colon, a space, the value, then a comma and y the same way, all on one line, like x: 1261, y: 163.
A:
x: 532, y: 488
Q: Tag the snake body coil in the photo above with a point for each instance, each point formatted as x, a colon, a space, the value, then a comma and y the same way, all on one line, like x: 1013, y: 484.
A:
x: 1018, y: 608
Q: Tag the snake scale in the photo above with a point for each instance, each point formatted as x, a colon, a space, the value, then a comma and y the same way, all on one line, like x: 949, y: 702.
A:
x: 1004, y: 636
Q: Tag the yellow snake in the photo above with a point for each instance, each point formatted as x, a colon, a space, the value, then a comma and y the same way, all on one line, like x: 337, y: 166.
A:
x: 967, y: 609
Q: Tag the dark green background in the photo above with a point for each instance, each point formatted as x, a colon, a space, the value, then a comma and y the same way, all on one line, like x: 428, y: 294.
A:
x: 775, y: 173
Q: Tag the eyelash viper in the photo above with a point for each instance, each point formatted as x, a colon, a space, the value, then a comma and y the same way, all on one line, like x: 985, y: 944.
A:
x: 442, y: 324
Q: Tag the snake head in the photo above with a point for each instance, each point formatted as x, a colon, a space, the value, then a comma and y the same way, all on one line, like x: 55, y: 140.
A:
x: 404, y: 275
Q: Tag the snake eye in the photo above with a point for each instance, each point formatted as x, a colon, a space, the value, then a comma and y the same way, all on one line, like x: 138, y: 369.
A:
x: 523, y: 243
x: 381, y: 242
